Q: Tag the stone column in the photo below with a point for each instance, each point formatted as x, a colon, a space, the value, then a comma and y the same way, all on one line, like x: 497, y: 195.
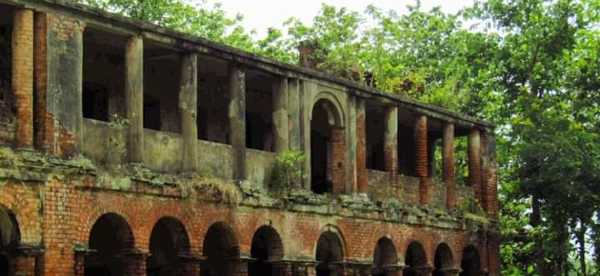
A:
x: 361, y: 147
x: 448, y: 165
x: 22, y: 76
x: 44, y: 123
x: 421, y: 164
x: 134, y: 98
x: 391, y: 140
x: 237, y: 120
x: 475, y: 162
x: 280, y: 115
x: 337, y: 160
x: 188, y: 107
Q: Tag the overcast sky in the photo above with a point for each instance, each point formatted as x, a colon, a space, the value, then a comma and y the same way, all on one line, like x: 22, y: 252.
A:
x: 262, y: 14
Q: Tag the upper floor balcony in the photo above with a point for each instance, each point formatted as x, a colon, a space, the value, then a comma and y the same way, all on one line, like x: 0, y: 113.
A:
x: 120, y: 92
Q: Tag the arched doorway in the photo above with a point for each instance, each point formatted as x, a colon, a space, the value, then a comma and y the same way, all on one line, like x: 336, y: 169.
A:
x: 443, y: 261
x: 416, y: 260
x: 470, y: 264
x: 110, y: 237
x: 266, y: 248
x: 327, y: 148
x: 168, y: 244
x: 10, y: 237
x: 220, y: 247
x: 329, y: 252
x: 385, y: 259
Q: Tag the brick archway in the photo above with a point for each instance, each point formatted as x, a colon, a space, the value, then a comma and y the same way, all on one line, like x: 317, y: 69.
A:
x: 415, y: 260
x: 385, y: 257
x: 470, y: 263
x: 111, y: 240
x: 220, y: 248
x: 330, y: 251
x: 327, y: 147
x: 266, y: 248
x: 169, y: 248
x: 443, y: 261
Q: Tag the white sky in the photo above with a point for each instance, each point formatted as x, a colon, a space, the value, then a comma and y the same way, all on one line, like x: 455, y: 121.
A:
x: 262, y: 14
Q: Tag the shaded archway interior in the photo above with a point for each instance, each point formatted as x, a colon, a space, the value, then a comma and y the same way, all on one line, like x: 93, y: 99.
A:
x: 443, y: 260
x: 329, y: 252
x: 266, y: 249
x: 220, y: 247
x: 385, y: 257
x: 9, y: 239
x: 470, y: 264
x: 110, y: 237
x: 415, y: 259
x: 326, y: 148
x: 169, y: 244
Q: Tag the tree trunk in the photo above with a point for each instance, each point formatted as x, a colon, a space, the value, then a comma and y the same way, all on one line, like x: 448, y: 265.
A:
x: 580, y: 236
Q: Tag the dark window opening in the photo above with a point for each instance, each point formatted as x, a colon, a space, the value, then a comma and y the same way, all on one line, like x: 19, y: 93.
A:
x: 162, y: 73
x: 470, y: 264
x: 4, y: 265
x: 103, y: 75
x: 406, y: 150
x: 375, y: 128
x: 259, y: 111
x: 320, y: 150
x: 213, y: 100
x: 443, y: 260
x: 385, y: 256
x: 6, y: 26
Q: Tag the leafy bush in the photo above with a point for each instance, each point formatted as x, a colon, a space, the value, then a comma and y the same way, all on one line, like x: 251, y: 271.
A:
x: 288, y: 170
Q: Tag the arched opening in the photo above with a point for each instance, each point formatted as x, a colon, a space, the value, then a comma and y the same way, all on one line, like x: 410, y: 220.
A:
x: 385, y: 258
x: 110, y: 237
x: 443, y: 260
x: 4, y: 265
x: 220, y: 248
x: 327, y: 149
x: 266, y: 248
x: 329, y: 252
x: 416, y: 260
x: 470, y: 264
x: 9, y: 240
x: 168, y: 244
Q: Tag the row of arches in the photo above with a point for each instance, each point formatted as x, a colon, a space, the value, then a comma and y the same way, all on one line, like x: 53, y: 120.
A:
x: 111, y: 238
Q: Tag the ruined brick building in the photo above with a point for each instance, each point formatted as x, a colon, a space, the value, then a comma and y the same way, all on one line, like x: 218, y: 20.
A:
x: 128, y: 149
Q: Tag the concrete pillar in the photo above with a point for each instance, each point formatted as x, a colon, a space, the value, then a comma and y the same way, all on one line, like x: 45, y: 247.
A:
x: 361, y: 147
x: 237, y: 120
x: 65, y: 82
x: 188, y: 107
x: 490, y: 178
x: 44, y: 136
x: 134, y: 98
x: 293, y: 113
x: 26, y: 260
x: 22, y: 76
x: 336, y: 161
x: 280, y: 115
x: 421, y: 164
x: 449, y: 175
x: 474, y: 153
x: 391, y: 140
